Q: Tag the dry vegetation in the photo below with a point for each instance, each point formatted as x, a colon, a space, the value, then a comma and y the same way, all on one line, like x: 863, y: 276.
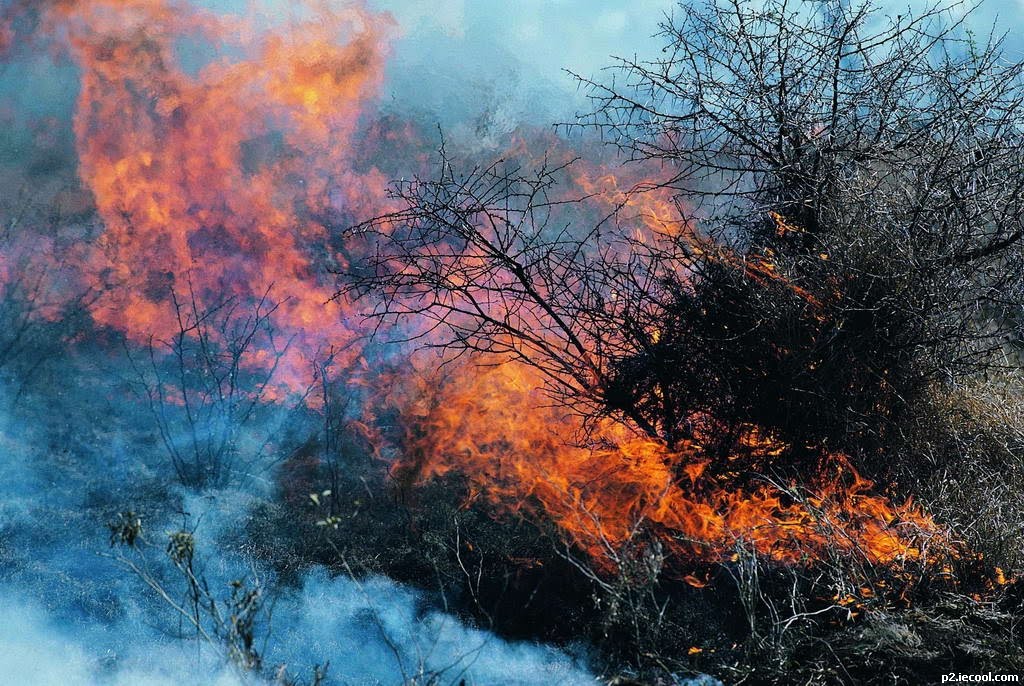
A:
x: 772, y: 428
x: 843, y: 271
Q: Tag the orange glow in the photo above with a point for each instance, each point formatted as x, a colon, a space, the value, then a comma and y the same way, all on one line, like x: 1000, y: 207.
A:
x: 6, y: 35
x: 221, y: 178
x: 658, y: 220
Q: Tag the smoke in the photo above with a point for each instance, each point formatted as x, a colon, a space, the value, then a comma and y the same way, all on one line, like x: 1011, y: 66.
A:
x: 80, y: 440
x: 38, y: 650
x: 383, y: 633
x: 76, y: 450
x: 371, y: 632
x: 485, y: 60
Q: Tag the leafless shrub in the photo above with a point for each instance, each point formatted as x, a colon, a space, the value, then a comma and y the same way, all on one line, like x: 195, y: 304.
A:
x: 235, y: 625
x: 984, y: 422
x: 848, y: 188
x: 208, y: 383
x: 856, y: 184
x: 41, y: 305
x: 876, y: 160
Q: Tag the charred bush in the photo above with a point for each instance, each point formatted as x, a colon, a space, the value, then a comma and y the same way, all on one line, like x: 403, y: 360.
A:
x: 874, y: 175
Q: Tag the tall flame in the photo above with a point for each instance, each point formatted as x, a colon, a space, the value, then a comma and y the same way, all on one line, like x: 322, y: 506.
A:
x: 218, y: 179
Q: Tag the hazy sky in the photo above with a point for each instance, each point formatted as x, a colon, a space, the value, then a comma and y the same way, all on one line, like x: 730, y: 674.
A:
x: 457, y: 60
x: 545, y: 34
x: 490, y: 65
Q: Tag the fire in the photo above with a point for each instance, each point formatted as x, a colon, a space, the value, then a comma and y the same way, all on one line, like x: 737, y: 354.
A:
x: 220, y: 180
x: 6, y: 35
x: 215, y: 178
x: 606, y: 488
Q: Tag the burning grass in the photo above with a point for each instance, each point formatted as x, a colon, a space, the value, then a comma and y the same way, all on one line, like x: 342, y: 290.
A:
x: 495, y: 426
x: 649, y: 604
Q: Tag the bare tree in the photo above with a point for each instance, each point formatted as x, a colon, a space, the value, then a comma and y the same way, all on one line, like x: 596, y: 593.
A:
x: 857, y: 184
x: 490, y: 259
x: 877, y: 160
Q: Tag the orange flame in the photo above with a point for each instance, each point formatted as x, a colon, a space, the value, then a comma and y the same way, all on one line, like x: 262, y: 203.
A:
x: 496, y: 428
x: 220, y: 176
x: 655, y: 212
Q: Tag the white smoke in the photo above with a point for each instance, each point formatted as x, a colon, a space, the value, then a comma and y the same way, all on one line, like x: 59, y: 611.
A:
x: 71, y: 616
x: 372, y: 632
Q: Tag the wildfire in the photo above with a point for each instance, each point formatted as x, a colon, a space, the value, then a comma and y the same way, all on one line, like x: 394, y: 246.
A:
x: 215, y: 178
x: 659, y: 218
